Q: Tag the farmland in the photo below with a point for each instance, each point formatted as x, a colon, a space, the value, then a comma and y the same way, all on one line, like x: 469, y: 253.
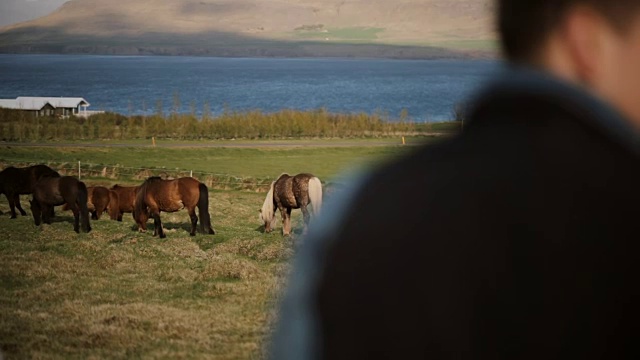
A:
x: 116, y: 293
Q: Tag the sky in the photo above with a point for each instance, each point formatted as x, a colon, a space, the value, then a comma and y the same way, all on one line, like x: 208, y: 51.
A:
x: 14, y: 11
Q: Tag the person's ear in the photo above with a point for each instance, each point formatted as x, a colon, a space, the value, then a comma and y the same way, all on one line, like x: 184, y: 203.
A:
x: 587, y: 36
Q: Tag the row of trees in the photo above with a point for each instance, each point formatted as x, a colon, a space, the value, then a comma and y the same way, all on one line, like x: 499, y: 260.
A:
x: 21, y: 126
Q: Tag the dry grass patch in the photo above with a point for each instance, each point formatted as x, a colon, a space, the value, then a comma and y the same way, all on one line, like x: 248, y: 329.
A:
x: 117, y: 293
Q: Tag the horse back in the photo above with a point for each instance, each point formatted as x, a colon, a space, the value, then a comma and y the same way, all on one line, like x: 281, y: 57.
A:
x: 98, y: 197
x: 15, y: 180
x: 57, y: 190
x: 126, y: 196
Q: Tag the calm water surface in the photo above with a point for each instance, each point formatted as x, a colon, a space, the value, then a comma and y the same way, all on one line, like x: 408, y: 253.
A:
x: 143, y: 85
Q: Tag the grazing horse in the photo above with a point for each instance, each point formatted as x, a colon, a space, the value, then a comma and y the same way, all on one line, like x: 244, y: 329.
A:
x: 291, y: 192
x: 156, y: 195
x: 20, y: 181
x: 126, y: 196
x: 53, y: 191
x: 100, y: 199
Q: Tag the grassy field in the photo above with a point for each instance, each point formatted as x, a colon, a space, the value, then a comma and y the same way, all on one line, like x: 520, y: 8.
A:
x: 261, y: 163
x: 117, y: 293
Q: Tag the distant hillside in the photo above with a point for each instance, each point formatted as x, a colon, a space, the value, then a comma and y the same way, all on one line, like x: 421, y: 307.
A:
x: 13, y: 11
x: 372, y: 28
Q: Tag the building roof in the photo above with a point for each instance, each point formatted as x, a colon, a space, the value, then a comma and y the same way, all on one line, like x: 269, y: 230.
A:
x: 8, y: 104
x: 37, y: 103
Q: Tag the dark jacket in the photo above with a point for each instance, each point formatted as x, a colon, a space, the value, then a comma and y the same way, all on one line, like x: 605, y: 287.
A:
x: 518, y: 238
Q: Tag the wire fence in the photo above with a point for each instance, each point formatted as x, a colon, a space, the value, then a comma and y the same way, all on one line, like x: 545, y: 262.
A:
x: 111, y: 173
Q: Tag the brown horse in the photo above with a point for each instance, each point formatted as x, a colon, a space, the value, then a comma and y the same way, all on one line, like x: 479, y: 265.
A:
x: 126, y: 199
x: 100, y: 199
x: 156, y: 195
x: 20, y: 181
x: 291, y: 192
x: 53, y: 191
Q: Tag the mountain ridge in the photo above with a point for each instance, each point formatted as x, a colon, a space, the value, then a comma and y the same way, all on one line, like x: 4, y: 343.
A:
x: 363, y: 28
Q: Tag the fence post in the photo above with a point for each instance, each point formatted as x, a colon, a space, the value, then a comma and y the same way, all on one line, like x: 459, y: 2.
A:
x: 191, y: 174
x: 79, y: 174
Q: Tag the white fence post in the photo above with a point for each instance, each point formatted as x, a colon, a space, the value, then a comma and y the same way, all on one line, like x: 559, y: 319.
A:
x: 79, y: 174
x: 191, y: 175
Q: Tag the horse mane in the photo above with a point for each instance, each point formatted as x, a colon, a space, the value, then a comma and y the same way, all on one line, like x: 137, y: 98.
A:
x: 153, y: 178
x: 268, y: 212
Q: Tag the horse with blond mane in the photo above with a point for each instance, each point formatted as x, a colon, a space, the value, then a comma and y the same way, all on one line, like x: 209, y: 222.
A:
x: 291, y: 192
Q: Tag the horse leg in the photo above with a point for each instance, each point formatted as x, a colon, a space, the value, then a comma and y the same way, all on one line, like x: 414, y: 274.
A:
x: 157, y: 225
x: 46, y: 212
x: 119, y: 217
x: 194, y: 221
x: 286, y: 222
x: 17, y: 201
x: 12, y: 205
x: 283, y: 214
x: 306, y: 216
x: 76, y: 218
x: 95, y: 215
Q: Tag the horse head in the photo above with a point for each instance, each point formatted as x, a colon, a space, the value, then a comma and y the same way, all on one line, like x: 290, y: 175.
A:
x: 268, y: 222
x: 141, y: 216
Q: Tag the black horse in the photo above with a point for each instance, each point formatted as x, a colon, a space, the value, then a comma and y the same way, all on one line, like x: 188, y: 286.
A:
x: 53, y: 191
x: 20, y: 181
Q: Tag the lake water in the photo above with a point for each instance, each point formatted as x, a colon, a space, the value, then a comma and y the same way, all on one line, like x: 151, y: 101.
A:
x: 427, y: 89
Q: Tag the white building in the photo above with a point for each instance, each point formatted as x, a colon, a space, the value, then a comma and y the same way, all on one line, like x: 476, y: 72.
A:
x: 49, y: 106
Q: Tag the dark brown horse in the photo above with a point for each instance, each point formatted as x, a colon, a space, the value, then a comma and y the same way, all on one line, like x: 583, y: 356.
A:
x: 126, y: 199
x: 53, y: 191
x: 291, y: 192
x: 20, y: 181
x: 156, y: 195
x: 100, y: 199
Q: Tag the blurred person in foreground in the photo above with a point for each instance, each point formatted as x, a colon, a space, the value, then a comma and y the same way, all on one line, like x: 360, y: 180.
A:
x: 519, y: 238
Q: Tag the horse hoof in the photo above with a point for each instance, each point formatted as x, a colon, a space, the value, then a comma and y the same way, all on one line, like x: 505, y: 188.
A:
x: 192, y: 234
x: 163, y: 236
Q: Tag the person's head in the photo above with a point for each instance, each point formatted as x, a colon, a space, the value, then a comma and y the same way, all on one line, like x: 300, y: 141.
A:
x: 595, y: 43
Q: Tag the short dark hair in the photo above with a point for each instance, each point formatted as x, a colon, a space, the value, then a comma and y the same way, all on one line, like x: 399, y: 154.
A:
x: 524, y: 25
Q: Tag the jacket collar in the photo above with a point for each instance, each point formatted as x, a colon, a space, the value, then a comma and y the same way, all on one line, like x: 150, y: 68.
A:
x: 520, y: 81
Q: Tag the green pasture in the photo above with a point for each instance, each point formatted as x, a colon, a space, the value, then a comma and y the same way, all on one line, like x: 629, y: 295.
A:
x: 264, y: 160
x: 117, y: 293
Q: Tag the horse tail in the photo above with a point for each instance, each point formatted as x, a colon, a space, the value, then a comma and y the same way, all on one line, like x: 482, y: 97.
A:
x: 315, y: 194
x: 203, y: 209
x: 82, y: 200
x: 114, y: 205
